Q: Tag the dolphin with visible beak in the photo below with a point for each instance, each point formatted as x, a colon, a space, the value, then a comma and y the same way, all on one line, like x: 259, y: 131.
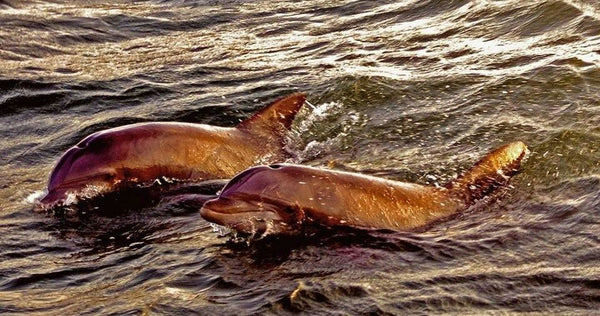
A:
x: 141, y: 153
x: 279, y: 198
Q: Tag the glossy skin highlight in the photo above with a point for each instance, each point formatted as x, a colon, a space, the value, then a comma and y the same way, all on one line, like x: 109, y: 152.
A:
x: 141, y: 153
x: 282, y: 197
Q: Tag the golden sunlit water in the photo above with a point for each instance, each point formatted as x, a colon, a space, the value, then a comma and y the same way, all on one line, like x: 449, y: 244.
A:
x: 409, y: 90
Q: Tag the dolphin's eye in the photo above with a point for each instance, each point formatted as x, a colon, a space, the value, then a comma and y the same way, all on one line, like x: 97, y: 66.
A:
x: 108, y: 176
x: 289, y: 210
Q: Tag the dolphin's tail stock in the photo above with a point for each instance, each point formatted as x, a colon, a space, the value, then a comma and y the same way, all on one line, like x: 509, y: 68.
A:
x: 276, y: 119
x: 492, y: 171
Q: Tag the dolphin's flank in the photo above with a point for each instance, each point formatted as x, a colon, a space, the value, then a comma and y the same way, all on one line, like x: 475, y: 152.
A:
x: 279, y: 198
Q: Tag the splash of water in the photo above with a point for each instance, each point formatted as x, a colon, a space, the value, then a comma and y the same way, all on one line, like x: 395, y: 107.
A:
x: 34, y: 197
x: 221, y: 230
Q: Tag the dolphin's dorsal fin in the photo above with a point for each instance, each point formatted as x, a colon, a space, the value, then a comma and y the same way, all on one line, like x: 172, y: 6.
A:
x: 276, y: 118
x: 492, y: 171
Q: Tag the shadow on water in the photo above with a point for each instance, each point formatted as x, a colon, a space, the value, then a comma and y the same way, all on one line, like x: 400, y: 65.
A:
x: 133, y: 215
x: 276, y: 249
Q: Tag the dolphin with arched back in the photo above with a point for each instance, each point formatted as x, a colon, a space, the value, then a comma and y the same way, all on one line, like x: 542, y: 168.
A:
x: 280, y: 198
x: 141, y: 153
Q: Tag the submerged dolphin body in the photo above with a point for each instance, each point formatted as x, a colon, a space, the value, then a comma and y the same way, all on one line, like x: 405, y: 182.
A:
x: 279, y: 198
x: 141, y: 153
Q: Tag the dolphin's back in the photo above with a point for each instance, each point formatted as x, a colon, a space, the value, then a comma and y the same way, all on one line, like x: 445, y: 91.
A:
x: 334, y: 197
x: 367, y: 201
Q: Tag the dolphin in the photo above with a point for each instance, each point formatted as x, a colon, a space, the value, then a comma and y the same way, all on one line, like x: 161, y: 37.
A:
x: 280, y: 198
x: 141, y: 153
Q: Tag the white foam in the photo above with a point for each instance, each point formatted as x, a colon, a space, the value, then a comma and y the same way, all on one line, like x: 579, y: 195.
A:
x: 35, y: 197
x: 71, y: 199
x: 221, y: 230
x: 320, y: 114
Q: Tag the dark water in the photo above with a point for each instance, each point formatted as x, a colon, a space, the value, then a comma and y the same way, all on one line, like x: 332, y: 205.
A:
x: 409, y: 90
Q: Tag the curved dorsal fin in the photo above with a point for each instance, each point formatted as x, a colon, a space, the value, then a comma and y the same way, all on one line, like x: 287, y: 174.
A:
x: 276, y: 118
x: 492, y: 171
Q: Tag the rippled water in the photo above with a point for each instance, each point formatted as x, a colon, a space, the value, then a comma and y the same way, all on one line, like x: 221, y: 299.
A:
x: 409, y: 90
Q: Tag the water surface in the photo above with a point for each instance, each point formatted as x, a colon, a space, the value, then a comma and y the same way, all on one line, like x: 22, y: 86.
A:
x: 409, y: 90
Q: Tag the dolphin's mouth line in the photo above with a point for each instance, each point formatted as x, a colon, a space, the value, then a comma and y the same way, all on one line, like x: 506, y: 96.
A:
x: 78, y: 184
x: 221, y: 213
x: 243, y: 204
x: 61, y: 197
x: 232, y: 219
x: 99, y: 184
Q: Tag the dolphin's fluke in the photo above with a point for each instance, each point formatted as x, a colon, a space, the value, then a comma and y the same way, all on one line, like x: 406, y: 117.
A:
x: 492, y: 171
x: 276, y: 118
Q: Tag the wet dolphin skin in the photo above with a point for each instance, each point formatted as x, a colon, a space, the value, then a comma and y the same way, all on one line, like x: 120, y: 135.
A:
x: 141, y: 153
x: 278, y: 198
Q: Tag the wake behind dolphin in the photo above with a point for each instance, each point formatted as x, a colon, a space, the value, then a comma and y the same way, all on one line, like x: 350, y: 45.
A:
x: 140, y: 153
x: 280, y: 198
